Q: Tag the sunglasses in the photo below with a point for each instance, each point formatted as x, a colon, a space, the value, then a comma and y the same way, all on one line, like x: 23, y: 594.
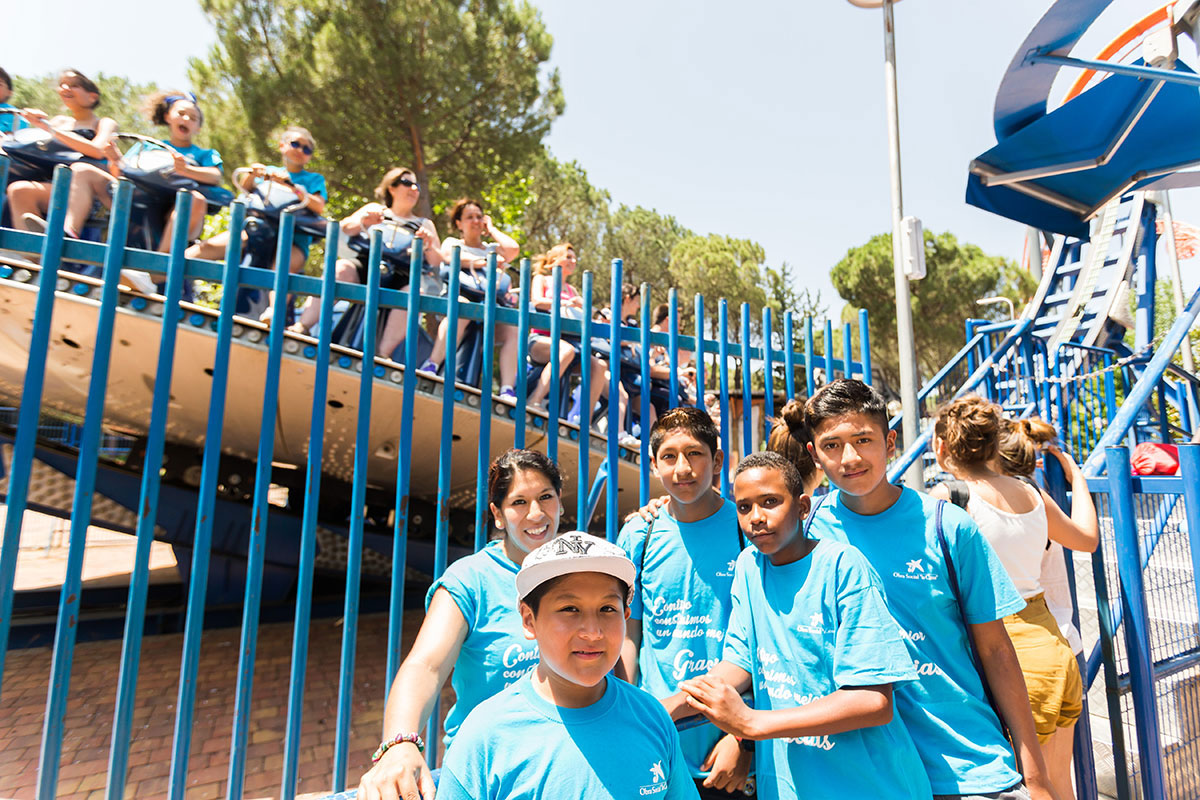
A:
x: 302, y: 147
x: 409, y: 182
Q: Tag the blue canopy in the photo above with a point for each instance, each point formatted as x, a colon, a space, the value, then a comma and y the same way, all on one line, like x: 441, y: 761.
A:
x: 1059, y: 170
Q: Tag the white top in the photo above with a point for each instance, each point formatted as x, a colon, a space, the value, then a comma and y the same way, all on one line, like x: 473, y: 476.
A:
x: 451, y: 242
x: 1058, y: 594
x: 1018, y: 539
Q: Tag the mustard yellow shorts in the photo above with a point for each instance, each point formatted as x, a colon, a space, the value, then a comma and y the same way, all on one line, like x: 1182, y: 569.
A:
x: 1050, y: 669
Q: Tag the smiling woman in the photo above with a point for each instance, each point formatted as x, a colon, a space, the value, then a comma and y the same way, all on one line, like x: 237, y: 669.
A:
x: 472, y: 626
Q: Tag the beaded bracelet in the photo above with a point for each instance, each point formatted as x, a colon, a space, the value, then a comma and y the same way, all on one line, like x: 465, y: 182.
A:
x: 384, y: 746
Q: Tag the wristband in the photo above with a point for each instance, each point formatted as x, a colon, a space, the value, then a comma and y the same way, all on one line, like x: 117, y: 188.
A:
x: 387, y: 744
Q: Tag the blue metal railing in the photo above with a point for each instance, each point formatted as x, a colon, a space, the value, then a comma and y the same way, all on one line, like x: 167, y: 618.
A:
x: 758, y: 354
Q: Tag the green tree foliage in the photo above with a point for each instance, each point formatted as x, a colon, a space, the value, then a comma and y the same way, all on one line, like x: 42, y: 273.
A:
x: 120, y: 99
x: 720, y: 266
x: 457, y: 91
x: 956, y: 276
x: 644, y: 240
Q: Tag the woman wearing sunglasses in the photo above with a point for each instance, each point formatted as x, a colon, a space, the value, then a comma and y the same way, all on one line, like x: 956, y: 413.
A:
x: 396, y: 200
x: 296, y: 146
x: 80, y: 128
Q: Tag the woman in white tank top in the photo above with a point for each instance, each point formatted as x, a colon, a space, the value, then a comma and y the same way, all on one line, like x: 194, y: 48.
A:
x: 1019, y: 521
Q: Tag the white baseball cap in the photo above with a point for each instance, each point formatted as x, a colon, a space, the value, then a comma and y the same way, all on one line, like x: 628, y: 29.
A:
x: 573, y: 552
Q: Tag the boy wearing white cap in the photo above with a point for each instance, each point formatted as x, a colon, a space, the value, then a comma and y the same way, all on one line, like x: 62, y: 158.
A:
x: 569, y: 729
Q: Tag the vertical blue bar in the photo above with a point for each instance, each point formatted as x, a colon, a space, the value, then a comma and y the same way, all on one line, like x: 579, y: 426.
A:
x: 202, y: 537
x: 553, y: 406
x: 971, y: 362
x: 864, y: 345
x: 358, y: 502
x: 1137, y: 622
x: 672, y: 344
x: 256, y: 548
x: 522, y: 386
x: 768, y: 374
x: 135, y: 606
x: 308, y: 524
x: 485, y: 403
x: 847, y: 350
x: 789, y: 358
x: 81, y: 505
x: 3, y: 180
x: 699, y: 312
x: 723, y: 376
x: 1189, y: 470
x: 31, y: 402
x: 585, y: 413
x: 404, y: 461
x: 810, y: 381
x: 611, y: 522
x: 644, y: 395
x: 445, y: 461
x: 747, y: 387
x: 828, y: 345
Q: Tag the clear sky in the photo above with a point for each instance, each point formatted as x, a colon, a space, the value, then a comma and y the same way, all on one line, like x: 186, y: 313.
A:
x: 757, y: 119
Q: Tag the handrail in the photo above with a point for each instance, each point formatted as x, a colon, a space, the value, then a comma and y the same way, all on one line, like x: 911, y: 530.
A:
x: 942, y: 374
x: 918, y: 447
x: 1139, y: 395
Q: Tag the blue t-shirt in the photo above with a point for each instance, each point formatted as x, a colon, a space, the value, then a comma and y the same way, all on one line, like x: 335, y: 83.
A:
x: 311, y: 182
x: 804, y: 630
x: 519, y: 746
x: 10, y: 123
x: 946, y: 711
x: 200, y: 156
x: 495, y: 653
x: 681, y: 596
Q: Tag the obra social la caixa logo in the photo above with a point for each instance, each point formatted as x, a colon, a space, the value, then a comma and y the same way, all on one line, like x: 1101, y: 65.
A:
x: 658, y: 781
x: 916, y: 570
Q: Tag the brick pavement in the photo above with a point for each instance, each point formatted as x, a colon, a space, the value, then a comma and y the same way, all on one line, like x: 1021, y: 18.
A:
x: 84, y: 763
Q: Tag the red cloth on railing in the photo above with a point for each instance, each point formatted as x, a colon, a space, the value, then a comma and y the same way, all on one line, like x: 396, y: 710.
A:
x: 1155, y: 458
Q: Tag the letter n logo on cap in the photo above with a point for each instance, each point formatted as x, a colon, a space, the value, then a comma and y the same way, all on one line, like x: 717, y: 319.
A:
x: 575, y: 545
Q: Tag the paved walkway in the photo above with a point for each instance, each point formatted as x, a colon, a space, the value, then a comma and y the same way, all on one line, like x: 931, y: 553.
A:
x: 88, y: 728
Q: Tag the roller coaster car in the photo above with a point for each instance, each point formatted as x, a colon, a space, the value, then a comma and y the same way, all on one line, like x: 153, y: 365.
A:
x: 149, y: 165
x: 265, y: 205
x: 34, y: 153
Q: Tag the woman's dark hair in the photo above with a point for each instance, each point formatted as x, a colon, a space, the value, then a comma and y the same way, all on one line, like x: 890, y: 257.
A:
x: 5, y: 78
x: 505, y: 468
x: 460, y: 207
x: 841, y: 397
x: 156, y: 106
x: 789, y: 437
x: 970, y: 428
x: 383, y: 192
x: 770, y: 460
x: 85, y: 83
x: 662, y: 312
x: 534, y: 598
x: 1020, y: 442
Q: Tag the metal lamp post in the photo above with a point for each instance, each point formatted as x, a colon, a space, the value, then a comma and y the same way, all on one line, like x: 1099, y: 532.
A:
x: 910, y: 420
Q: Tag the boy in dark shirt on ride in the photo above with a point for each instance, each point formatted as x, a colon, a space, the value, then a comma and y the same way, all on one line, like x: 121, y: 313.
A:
x: 681, y: 599
x: 954, y: 727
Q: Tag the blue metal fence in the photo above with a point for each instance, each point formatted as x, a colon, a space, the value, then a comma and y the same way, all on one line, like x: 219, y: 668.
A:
x: 767, y: 359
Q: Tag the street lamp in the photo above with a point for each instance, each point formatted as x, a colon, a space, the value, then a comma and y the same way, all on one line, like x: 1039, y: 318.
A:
x: 910, y: 424
x: 989, y: 301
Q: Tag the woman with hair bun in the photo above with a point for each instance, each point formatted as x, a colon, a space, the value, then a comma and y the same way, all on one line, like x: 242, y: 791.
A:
x: 1020, y: 520
x: 789, y: 438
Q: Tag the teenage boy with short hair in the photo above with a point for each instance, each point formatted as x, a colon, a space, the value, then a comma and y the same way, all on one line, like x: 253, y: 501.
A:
x: 947, y: 712
x: 810, y: 633
x: 569, y: 729
x: 10, y: 122
x: 680, y: 606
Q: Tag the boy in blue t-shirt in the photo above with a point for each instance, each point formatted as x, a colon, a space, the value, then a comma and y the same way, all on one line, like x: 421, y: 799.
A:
x: 10, y: 122
x: 947, y: 712
x: 569, y: 729
x: 811, y: 634
x: 680, y: 607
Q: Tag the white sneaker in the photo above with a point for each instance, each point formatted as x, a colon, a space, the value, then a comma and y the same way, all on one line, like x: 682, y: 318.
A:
x: 139, y: 280
x: 33, y: 222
